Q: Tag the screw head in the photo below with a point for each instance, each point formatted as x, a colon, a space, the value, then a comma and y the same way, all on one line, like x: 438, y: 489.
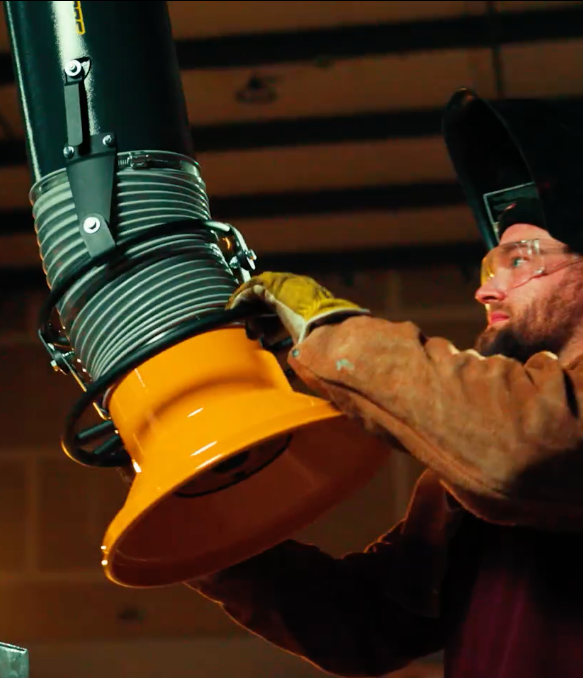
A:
x: 68, y: 152
x: 91, y: 225
x: 73, y: 68
x: 107, y: 140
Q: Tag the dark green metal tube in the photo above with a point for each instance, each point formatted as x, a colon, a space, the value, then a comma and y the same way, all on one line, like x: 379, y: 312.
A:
x: 133, y: 87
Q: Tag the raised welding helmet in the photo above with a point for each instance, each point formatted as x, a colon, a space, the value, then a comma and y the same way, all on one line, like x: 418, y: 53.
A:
x: 517, y: 161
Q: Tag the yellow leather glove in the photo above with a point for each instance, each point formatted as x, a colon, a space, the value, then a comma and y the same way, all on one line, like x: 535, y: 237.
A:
x: 299, y: 302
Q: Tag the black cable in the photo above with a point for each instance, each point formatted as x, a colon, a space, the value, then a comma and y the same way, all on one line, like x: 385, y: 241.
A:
x: 112, y: 456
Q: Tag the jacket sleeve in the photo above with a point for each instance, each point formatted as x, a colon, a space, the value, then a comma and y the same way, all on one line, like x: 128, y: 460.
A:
x: 506, y: 439
x: 365, y: 614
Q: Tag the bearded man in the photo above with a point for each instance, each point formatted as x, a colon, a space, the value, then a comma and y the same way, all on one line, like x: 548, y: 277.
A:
x: 487, y: 563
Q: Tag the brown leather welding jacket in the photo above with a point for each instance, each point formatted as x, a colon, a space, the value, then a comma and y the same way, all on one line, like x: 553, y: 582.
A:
x: 486, y: 564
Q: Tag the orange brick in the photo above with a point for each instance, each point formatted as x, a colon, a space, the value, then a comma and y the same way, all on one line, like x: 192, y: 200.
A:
x: 13, y: 516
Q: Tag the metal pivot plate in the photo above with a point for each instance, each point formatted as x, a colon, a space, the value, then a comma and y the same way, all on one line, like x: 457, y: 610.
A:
x: 13, y: 661
x: 91, y: 166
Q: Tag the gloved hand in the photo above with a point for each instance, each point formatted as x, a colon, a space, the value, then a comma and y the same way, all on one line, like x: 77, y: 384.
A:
x: 299, y: 302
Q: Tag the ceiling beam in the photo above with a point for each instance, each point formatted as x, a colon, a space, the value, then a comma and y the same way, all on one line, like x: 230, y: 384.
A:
x: 390, y: 197
x: 400, y: 124
x: 349, y: 42
x: 269, y: 205
x: 290, y: 132
x: 466, y: 255
x: 311, y: 131
x: 373, y: 126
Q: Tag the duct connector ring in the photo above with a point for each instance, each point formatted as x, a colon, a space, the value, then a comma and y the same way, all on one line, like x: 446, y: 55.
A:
x: 132, y: 271
x: 111, y: 452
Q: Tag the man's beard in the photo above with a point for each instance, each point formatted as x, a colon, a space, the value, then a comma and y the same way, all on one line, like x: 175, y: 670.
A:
x: 547, y: 326
x: 515, y: 342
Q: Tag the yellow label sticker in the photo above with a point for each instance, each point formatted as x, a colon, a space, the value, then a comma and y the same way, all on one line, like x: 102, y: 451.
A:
x: 79, y: 22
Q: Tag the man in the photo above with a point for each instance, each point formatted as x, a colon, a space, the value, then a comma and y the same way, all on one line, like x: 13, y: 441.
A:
x: 486, y: 564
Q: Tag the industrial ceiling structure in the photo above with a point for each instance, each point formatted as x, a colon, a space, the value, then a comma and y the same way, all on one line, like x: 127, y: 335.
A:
x: 317, y: 124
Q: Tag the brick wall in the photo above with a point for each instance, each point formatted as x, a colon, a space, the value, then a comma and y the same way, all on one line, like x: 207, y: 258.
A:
x: 240, y: 657
x: 53, y: 512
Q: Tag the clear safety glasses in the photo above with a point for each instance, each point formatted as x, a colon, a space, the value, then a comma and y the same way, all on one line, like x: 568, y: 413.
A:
x: 515, y: 263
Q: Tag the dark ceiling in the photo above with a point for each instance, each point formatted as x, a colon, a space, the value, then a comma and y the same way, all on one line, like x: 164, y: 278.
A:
x: 317, y: 124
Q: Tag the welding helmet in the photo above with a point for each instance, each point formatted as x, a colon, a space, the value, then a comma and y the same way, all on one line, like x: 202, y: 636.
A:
x: 517, y: 161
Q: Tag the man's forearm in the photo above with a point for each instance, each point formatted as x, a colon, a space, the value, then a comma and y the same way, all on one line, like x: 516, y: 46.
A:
x: 506, y: 439
x: 307, y: 603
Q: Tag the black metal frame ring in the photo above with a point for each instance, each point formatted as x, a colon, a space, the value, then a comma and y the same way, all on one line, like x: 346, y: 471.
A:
x: 112, y: 453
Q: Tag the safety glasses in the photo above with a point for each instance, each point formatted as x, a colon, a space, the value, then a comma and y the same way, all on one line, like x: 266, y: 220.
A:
x: 514, y: 264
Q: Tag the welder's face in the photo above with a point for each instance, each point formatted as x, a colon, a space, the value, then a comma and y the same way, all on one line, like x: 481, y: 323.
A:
x: 532, y: 289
